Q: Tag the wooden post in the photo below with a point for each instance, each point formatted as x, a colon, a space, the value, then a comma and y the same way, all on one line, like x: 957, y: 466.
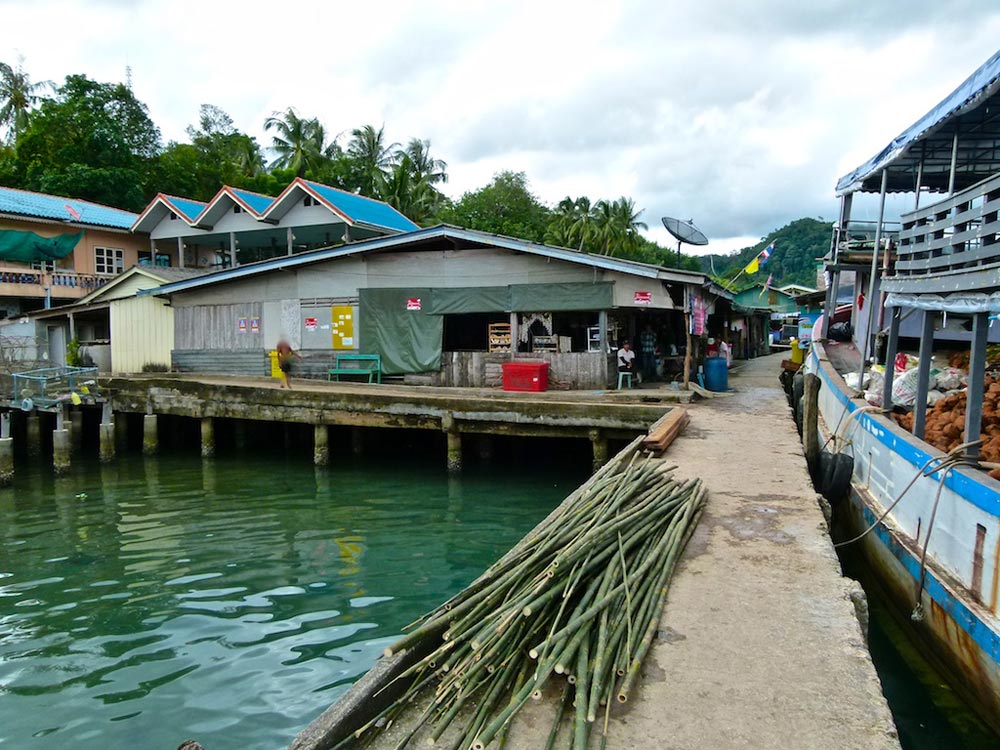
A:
x: 150, y: 438
x: 810, y: 419
x: 892, y: 346
x: 76, y: 429
x: 977, y: 373
x: 33, y: 423
x: 321, y: 445
x: 6, y: 451
x: 923, y: 374
x: 207, y: 437
x: 599, y: 443
x: 687, y: 350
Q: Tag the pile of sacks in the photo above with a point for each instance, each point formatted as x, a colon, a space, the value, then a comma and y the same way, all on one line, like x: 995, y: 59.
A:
x: 945, y: 424
x: 944, y: 381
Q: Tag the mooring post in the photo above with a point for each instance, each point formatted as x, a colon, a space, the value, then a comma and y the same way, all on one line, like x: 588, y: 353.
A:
x: 34, y: 434
x: 599, y: 443
x: 62, y: 443
x: 207, y: 437
x: 6, y: 451
x: 76, y: 429
x: 810, y: 419
x: 150, y: 438
x: 454, y: 442
x: 107, y: 433
x: 321, y: 445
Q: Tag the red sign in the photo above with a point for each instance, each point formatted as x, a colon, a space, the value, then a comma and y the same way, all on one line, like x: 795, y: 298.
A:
x: 413, y: 303
x: 312, y: 324
x: 642, y: 298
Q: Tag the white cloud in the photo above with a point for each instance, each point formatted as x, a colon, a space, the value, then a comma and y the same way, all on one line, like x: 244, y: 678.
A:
x: 738, y: 116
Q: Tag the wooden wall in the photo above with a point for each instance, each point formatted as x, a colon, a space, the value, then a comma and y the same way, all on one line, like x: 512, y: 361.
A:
x: 215, y: 327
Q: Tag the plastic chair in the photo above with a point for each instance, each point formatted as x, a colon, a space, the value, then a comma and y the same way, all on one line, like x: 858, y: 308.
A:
x: 624, y: 376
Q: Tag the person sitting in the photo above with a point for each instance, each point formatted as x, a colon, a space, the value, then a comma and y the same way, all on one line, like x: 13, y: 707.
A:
x: 626, y: 358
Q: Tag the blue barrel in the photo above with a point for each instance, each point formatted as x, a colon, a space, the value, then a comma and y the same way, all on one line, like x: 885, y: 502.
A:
x: 717, y: 374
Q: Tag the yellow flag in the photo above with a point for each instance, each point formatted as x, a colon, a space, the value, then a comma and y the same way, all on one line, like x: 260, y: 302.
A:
x: 752, y: 266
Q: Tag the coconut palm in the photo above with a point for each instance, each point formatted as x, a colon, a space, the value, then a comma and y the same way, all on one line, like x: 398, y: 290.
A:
x: 425, y: 168
x: 414, y: 198
x: 299, y: 142
x: 18, y: 96
x: 617, y: 225
x: 372, y: 158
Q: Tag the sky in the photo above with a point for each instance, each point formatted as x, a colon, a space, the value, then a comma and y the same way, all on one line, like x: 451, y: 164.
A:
x: 737, y: 115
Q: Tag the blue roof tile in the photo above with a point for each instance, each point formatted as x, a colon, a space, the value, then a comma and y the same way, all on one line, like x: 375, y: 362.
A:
x: 256, y: 201
x: 186, y: 206
x: 364, y: 210
x: 42, y: 206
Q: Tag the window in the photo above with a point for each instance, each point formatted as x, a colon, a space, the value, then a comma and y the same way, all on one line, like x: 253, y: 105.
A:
x: 173, y: 216
x: 237, y: 210
x: 109, y: 260
x: 310, y: 201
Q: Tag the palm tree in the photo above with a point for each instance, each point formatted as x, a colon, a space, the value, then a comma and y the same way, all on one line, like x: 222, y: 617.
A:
x: 372, y: 158
x: 617, y: 225
x: 425, y: 168
x: 299, y: 142
x: 412, y: 197
x: 18, y: 96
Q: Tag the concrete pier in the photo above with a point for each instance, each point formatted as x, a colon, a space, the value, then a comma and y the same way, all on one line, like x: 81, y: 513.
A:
x: 207, y: 437
x: 357, y: 441
x: 62, y: 447
x: 599, y: 444
x: 150, y: 436
x: 107, y: 441
x: 75, y: 424
x: 321, y: 445
x: 121, y: 431
x: 33, y: 436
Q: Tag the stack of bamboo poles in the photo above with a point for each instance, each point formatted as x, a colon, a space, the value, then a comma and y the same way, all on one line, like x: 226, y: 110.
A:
x: 581, y: 596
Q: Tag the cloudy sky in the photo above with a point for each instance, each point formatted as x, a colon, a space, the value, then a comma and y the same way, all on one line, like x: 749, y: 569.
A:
x: 738, y: 115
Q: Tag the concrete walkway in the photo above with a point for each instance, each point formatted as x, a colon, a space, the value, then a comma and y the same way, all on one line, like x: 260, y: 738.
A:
x: 760, y: 645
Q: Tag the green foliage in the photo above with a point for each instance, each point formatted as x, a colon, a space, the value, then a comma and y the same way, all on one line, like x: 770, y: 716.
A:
x: 505, y: 206
x: 18, y: 97
x: 73, y: 358
x: 797, y: 245
x: 155, y: 367
x: 93, y: 141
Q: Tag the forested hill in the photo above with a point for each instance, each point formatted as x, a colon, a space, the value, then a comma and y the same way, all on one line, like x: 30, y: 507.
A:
x: 796, y: 247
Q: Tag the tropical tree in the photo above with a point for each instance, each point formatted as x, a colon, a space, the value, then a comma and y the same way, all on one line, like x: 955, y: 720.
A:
x: 299, y: 142
x: 423, y: 167
x: 505, y: 206
x: 18, y: 97
x: 371, y: 159
x: 403, y: 189
x: 92, y: 140
x: 616, y: 226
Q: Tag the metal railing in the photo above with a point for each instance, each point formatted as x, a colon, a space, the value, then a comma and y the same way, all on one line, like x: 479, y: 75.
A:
x: 35, y: 282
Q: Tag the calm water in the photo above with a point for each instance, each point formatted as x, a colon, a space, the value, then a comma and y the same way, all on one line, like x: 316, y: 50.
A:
x: 229, y: 601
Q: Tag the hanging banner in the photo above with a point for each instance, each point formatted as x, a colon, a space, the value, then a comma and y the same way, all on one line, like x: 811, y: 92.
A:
x: 413, y: 303
x: 642, y: 298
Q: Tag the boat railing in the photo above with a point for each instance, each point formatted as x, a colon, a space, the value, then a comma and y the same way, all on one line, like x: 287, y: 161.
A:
x: 957, y: 234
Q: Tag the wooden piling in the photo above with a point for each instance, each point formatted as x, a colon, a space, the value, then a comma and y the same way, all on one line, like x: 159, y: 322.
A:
x: 321, y: 445
x: 33, y: 442
x: 357, y: 441
x: 121, y: 431
x: 207, y: 437
x: 150, y: 438
x: 810, y: 419
x: 76, y: 430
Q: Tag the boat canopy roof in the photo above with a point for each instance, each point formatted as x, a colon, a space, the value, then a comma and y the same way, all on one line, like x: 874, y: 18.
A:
x: 972, y: 110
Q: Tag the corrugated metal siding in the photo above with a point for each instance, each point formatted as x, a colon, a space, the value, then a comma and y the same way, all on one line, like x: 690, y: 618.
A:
x: 142, y: 331
x: 216, y: 327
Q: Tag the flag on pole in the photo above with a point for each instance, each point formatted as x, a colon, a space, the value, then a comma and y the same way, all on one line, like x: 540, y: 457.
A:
x: 759, y: 260
x: 767, y: 284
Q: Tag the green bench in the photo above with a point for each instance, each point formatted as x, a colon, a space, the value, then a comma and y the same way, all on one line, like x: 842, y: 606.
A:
x: 363, y: 364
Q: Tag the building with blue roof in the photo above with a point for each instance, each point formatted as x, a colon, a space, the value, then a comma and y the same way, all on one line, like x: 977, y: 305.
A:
x: 55, y: 249
x: 239, y: 226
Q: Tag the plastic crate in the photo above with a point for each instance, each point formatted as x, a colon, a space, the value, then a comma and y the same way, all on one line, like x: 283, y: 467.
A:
x: 526, y: 376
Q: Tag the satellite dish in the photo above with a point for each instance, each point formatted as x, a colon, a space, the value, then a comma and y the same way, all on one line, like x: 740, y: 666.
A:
x: 684, y: 231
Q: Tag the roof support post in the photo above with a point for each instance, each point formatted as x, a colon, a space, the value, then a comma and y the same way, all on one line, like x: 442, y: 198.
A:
x: 892, y: 346
x: 289, y: 239
x: 954, y: 163
x: 843, y: 220
x: 977, y: 376
x: 72, y: 328
x: 923, y: 374
x: 872, y: 301
x: 232, y: 249
x: 180, y: 253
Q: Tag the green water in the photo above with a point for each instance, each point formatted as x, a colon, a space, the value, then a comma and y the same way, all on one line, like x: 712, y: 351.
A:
x: 232, y: 600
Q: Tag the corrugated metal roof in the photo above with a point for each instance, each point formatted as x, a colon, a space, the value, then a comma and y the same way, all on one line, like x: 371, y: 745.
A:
x: 401, y: 241
x: 962, y: 111
x: 71, y: 210
x: 363, y: 210
x: 189, y: 209
x: 259, y: 203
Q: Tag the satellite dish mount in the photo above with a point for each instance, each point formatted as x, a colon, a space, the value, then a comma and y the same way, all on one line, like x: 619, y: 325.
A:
x: 684, y: 231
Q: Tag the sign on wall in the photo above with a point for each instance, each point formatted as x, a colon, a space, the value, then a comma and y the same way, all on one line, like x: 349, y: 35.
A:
x: 642, y: 298
x: 413, y: 303
x: 342, y: 326
x: 241, y: 325
x: 312, y: 324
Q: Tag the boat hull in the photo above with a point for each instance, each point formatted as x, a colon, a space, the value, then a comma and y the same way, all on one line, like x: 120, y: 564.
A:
x: 958, y: 629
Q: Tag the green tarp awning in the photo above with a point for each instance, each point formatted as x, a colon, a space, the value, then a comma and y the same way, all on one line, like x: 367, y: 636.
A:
x: 396, y: 325
x: 469, y: 299
x: 28, y: 247
x: 565, y: 296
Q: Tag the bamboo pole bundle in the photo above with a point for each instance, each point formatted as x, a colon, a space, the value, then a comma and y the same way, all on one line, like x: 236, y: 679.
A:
x: 580, y: 596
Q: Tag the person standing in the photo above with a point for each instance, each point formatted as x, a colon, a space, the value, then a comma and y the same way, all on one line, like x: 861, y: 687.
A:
x: 285, y: 356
